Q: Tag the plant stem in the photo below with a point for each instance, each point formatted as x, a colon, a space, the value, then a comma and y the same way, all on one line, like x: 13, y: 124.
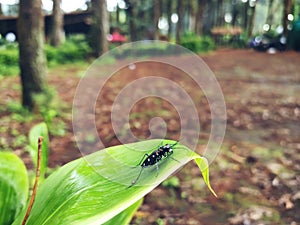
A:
x: 37, y: 176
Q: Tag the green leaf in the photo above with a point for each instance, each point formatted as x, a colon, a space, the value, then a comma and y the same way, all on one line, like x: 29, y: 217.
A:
x: 35, y: 132
x: 13, y: 187
x: 202, y: 163
x: 94, y: 189
x: 125, y: 216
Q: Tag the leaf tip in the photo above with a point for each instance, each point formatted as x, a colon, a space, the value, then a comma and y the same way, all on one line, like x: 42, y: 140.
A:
x: 212, y: 191
x: 203, y: 166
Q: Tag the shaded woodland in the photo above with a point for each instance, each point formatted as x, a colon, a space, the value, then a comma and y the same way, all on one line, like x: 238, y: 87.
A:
x: 224, y: 21
x: 256, y: 173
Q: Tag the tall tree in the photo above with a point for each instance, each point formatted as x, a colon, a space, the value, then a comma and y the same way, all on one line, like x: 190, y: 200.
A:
x: 270, y: 14
x: 1, y: 12
x: 157, y: 14
x: 169, y: 12
x: 287, y: 9
x: 199, y: 16
x: 131, y: 13
x: 234, y: 12
x: 180, y: 11
x: 220, y: 16
x: 100, y: 26
x: 246, y: 15
x: 32, y: 59
x: 251, y: 19
x: 57, y: 34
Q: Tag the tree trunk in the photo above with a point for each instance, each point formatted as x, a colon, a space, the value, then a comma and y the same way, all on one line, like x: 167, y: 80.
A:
x: 199, y: 16
x: 157, y: 14
x: 32, y: 59
x: 270, y: 14
x: 57, y: 34
x: 252, y: 20
x: 1, y: 12
x: 187, y: 16
x: 118, y: 15
x: 100, y: 27
x: 246, y: 6
x: 131, y: 15
x: 287, y: 9
x: 169, y: 14
x: 234, y: 12
x: 180, y: 12
x: 220, y: 16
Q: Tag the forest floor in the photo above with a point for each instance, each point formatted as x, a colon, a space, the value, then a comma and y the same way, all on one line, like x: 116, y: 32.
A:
x: 257, y: 172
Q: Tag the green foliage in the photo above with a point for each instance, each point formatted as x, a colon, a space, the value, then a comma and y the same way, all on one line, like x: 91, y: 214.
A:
x: 96, y: 188
x: 9, y: 60
x: 238, y: 41
x: 143, y: 51
x: 148, y: 49
x: 196, y: 43
x: 19, y: 113
x: 172, y: 182
x: 19, y: 141
x: 49, y: 107
x: 13, y: 187
x: 74, y: 49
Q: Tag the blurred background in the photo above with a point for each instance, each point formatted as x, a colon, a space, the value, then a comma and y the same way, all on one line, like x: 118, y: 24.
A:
x: 226, y: 22
x: 252, y: 46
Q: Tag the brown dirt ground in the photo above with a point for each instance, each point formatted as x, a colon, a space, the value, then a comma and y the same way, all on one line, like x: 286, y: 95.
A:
x: 256, y: 175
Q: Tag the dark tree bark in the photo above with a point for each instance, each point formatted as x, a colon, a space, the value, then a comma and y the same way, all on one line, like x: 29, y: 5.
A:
x: 270, y: 14
x: 157, y: 14
x: 1, y: 12
x: 118, y: 15
x: 234, y: 12
x: 220, y: 16
x: 287, y: 9
x: 100, y: 26
x: 246, y: 15
x: 57, y: 34
x: 199, y: 16
x: 252, y: 20
x: 32, y: 59
x: 169, y: 14
x: 180, y: 12
x: 131, y: 15
x: 188, y: 12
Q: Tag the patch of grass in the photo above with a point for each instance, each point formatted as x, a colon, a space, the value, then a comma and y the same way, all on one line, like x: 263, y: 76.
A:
x: 107, y: 60
x: 75, y: 49
x: 197, y: 43
x: 172, y: 182
x: 267, y: 153
x: 19, y: 141
x: 160, y: 221
x: 150, y: 114
x: 90, y: 138
x: 50, y: 108
x: 18, y: 113
x: 3, y: 143
x: 9, y: 57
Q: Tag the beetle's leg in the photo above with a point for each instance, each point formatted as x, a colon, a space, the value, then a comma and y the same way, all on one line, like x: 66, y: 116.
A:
x: 138, y: 177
